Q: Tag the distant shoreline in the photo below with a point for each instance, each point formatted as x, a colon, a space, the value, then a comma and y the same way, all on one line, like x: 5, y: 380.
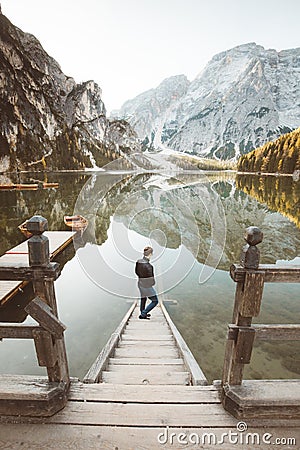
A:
x: 263, y: 174
x: 87, y: 170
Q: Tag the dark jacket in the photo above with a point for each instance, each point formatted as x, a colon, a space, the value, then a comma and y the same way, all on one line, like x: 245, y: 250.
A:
x: 144, y: 271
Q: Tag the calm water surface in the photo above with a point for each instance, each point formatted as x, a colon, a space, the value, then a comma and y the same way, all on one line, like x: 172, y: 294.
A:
x: 195, y: 223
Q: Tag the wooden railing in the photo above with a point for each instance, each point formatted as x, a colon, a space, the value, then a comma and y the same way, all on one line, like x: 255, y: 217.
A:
x: 48, y: 335
x: 250, y: 277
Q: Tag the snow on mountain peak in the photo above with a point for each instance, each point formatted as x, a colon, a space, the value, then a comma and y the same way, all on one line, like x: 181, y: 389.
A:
x: 244, y: 97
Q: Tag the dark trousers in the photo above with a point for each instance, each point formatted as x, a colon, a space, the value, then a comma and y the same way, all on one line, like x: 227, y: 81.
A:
x: 154, y: 302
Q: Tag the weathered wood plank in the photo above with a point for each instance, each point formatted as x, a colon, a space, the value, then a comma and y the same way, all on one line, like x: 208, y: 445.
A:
x: 59, y: 240
x: 135, y: 414
x: 149, y: 362
x: 142, y: 343
x: 264, y: 398
x: 17, y: 331
x: 45, y: 348
x: 30, y: 396
x: 147, y: 326
x: 20, y: 271
x: 244, y: 345
x: 146, y: 393
x: 197, y: 375
x: 101, y: 361
x: 229, y: 346
x: 250, y: 301
x: 143, y: 368
x: 232, y: 369
x: 147, y: 332
x: 22, y: 386
x: 141, y: 337
x: 239, y: 291
x: 6, y: 286
x: 62, y: 437
x: 277, y: 332
x: 43, y: 314
x: 288, y: 332
x: 236, y: 373
x: 273, y: 273
x: 145, y: 377
x: 146, y: 352
x: 267, y: 392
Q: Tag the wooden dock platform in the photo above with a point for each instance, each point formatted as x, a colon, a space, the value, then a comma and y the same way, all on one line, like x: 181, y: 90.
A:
x: 58, y: 241
x: 145, y: 400
x: 144, y: 392
x: 110, y: 416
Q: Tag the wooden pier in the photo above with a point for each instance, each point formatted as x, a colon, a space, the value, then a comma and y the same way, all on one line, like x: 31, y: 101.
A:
x: 145, y: 390
x: 146, y: 352
x: 58, y: 241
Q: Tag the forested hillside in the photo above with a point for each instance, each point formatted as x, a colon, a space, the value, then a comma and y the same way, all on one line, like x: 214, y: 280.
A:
x: 282, y: 156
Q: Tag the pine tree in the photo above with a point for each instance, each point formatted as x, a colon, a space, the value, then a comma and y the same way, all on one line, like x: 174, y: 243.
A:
x: 282, y: 156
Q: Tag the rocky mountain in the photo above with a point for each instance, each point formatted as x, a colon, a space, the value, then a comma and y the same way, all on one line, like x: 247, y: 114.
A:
x: 48, y: 121
x: 148, y: 112
x: 243, y: 98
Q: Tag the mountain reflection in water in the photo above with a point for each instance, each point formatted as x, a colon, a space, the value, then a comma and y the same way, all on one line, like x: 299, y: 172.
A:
x: 189, y: 219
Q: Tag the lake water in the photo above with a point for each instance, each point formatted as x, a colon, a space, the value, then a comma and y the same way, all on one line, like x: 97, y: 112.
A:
x: 195, y: 222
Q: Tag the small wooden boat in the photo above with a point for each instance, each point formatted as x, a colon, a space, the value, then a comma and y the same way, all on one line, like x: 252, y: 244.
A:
x: 19, y: 186
x: 29, y: 186
x: 50, y: 185
x: 23, y: 229
x: 77, y: 222
x: 7, y: 186
x: 33, y: 186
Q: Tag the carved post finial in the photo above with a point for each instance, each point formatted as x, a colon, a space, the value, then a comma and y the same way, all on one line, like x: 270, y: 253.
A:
x: 250, y: 254
x: 38, y: 244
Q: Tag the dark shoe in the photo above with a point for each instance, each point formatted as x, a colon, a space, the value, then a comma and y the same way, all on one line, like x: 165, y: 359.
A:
x: 148, y: 315
x: 144, y: 317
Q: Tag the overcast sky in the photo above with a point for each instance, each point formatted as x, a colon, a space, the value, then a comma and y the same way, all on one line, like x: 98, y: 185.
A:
x: 129, y: 46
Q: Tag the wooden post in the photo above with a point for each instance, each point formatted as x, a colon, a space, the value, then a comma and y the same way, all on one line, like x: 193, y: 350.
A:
x: 248, y: 297
x: 250, y: 254
x: 39, y: 255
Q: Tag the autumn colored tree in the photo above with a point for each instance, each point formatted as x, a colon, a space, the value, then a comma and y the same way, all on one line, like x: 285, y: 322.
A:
x: 281, y: 155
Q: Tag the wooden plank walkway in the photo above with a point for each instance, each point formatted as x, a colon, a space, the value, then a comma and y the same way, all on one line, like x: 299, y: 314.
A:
x: 146, y: 352
x: 58, y: 241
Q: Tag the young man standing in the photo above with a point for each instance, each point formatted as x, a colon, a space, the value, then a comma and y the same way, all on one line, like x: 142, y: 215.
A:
x: 144, y: 271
